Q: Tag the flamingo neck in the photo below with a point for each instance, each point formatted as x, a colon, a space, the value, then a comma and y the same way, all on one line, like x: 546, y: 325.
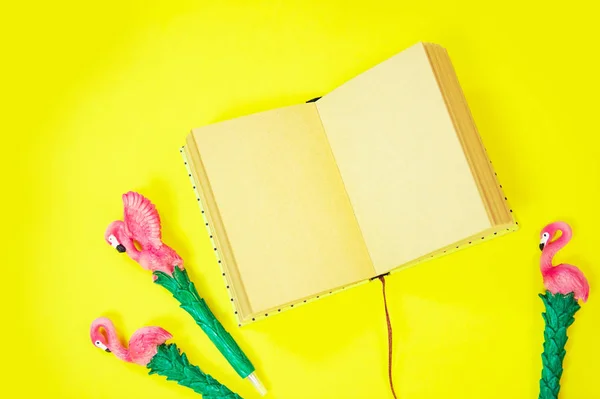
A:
x: 551, y: 249
x: 130, y: 247
x: 114, y: 344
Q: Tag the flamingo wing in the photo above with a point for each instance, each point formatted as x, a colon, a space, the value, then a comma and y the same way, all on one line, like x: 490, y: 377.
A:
x: 141, y: 219
x: 576, y: 281
x: 143, y: 343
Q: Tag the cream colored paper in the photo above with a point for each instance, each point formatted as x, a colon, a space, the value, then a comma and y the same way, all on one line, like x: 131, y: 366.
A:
x: 280, y: 198
x: 384, y: 172
x: 402, y: 164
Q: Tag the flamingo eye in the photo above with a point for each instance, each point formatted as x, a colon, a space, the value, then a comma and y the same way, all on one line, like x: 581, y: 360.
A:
x: 97, y: 343
x: 545, y: 239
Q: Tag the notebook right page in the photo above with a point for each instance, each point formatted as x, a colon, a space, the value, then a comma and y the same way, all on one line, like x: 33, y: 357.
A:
x: 401, y: 162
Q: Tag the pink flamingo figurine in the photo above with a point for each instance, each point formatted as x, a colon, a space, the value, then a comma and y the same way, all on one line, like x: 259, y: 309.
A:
x: 562, y: 278
x: 565, y: 286
x: 141, y: 225
x: 147, y: 347
x: 142, y: 345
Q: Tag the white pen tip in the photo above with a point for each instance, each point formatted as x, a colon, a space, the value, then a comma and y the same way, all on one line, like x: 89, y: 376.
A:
x: 257, y: 384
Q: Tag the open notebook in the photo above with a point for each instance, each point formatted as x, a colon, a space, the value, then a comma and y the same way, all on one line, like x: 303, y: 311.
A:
x: 385, y: 171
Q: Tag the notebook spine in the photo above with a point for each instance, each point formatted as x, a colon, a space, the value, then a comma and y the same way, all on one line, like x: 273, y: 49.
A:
x: 211, y: 234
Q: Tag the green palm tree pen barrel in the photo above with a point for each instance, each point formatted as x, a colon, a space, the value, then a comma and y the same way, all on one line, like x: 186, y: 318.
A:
x: 141, y: 226
x: 180, y: 286
x: 565, y: 286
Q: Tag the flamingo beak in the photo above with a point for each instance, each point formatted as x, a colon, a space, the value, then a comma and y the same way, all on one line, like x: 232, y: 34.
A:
x: 120, y: 248
x: 542, y: 246
x: 107, y: 350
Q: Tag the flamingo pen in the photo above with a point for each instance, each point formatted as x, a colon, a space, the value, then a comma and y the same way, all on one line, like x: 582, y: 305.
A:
x: 565, y: 286
x: 148, y: 347
x: 141, y: 225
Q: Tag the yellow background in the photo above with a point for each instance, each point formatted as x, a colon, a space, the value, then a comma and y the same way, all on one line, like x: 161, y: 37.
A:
x: 98, y: 97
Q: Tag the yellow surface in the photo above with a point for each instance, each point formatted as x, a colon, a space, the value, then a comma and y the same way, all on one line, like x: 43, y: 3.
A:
x: 98, y: 97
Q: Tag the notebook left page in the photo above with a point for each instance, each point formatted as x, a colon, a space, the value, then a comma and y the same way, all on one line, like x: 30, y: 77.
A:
x: 286, y: 219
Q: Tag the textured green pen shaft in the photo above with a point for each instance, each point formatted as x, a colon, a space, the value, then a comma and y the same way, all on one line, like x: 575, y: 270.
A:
x: 170, y: 363
x: 180, y: 286
x: 560, y: 310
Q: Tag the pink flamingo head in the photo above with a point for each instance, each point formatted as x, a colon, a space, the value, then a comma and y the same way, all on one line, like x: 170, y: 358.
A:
x: 99, y: 333
x: 142, y: 345
x: 113, y: 235
x: 549, y: 234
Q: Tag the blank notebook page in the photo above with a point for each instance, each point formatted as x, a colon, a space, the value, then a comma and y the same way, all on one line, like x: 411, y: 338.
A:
x: 401, y: 161
x: 283, y: 205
